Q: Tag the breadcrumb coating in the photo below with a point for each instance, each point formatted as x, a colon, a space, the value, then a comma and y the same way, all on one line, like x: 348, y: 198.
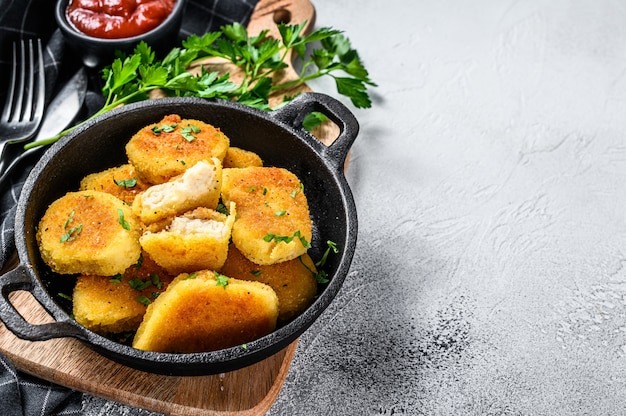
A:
x: 196, y: 314
x: 273, y: 222
x: 166, y: 149
x: 241, y: 158
x: 89, y: 232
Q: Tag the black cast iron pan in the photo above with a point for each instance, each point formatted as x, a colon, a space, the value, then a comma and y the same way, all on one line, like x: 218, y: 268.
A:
x: 278, y: 137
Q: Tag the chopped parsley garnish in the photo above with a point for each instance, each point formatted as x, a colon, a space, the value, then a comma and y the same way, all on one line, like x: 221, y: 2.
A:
x: 191, y: 276
x: 65, y: 296
x: 117, y: 278
x: 126, y: 183
x: 299, y: 189
x: 221, y: 208
x: 189, y: 131
x: 280, y: 213
x: 139, y: 261
x: 331, y: 246
x: 287, y: 239
x: 144, y: 300
x: 154, y: 279
x: 139, y: 284
x: 71, y: 234
x: 256, y: 273
x: 70, y: 219
x: 221, y: 280
x: 321, y: 276
x: 164, y: 128
x: 122, y: 221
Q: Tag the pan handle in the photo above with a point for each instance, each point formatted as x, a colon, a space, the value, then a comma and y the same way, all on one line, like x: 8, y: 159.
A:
x: 19, y: 279
x: 295, y: 111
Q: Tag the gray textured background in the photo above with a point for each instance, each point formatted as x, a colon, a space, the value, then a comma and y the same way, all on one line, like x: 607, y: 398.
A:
x: 489, y: 177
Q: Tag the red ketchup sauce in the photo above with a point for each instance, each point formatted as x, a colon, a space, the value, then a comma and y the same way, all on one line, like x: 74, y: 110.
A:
x: 115, y: 19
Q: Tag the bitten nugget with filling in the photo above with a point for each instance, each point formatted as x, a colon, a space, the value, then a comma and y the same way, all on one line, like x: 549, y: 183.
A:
x: 89, y: 232
x: 241, y: 158
x: 199, y: 186
x: 166, y: 149
x: 194, y: 241
x: 198, y: 313
x: 121, y: 181
x: 273, y: 222
x: 293, y: 281
x: 113, y: 305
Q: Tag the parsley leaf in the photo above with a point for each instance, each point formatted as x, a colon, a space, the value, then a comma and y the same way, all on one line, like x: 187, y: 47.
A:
x: 313, y: 119
x: 164, y: 128
x: 126, y: 183
x: 125, y: 224
x: 221, y: 279
x: 143, y: 300
x: 117, y: 278
x: 156, y: 281
x: 189, y: 131
x: 139, y: 284
x: 71, y: 234
x: 287, y: 239
x: 331, y: 246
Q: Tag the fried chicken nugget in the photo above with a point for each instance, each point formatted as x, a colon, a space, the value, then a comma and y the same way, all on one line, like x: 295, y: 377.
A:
x: 89, y: 232
x: 273, y: 222
x: 121, y: 181
x: 166, y: 149
x: 293, y: 281
x: 199, y: 313
x: 241, y: 158
x: 199, y: 186
x: 115, y: 305
x: 194, y: 241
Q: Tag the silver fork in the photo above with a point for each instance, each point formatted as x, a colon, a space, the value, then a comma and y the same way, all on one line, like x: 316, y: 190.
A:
x: 24, y: 104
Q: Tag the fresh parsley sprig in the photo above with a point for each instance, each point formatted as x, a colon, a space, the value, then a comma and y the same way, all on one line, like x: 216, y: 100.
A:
x: 324, y: 52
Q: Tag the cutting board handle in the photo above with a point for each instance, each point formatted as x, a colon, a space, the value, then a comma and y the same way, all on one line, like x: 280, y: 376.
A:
x: 20, y: 279
x: 295, y: 111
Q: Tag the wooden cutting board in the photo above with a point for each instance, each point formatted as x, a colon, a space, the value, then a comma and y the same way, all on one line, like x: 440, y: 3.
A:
x: 69, y: 362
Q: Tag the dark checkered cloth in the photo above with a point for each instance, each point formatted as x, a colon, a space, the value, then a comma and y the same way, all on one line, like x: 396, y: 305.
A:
x: 21, y: 394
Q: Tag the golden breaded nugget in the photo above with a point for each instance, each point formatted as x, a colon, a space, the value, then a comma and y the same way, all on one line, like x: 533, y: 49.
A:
x: 199, y: 186
x: 166, y: 149
x: 273, y: 222
x: 293, y: 281
x: 199, y: 313
x: 120, y: 181
x: 114, y: 305
x: 89, y: 232
x: 194, y: 241
x: 240, y: 158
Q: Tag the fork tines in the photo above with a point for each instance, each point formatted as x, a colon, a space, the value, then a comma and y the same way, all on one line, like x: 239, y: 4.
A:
x: 24, y: 100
